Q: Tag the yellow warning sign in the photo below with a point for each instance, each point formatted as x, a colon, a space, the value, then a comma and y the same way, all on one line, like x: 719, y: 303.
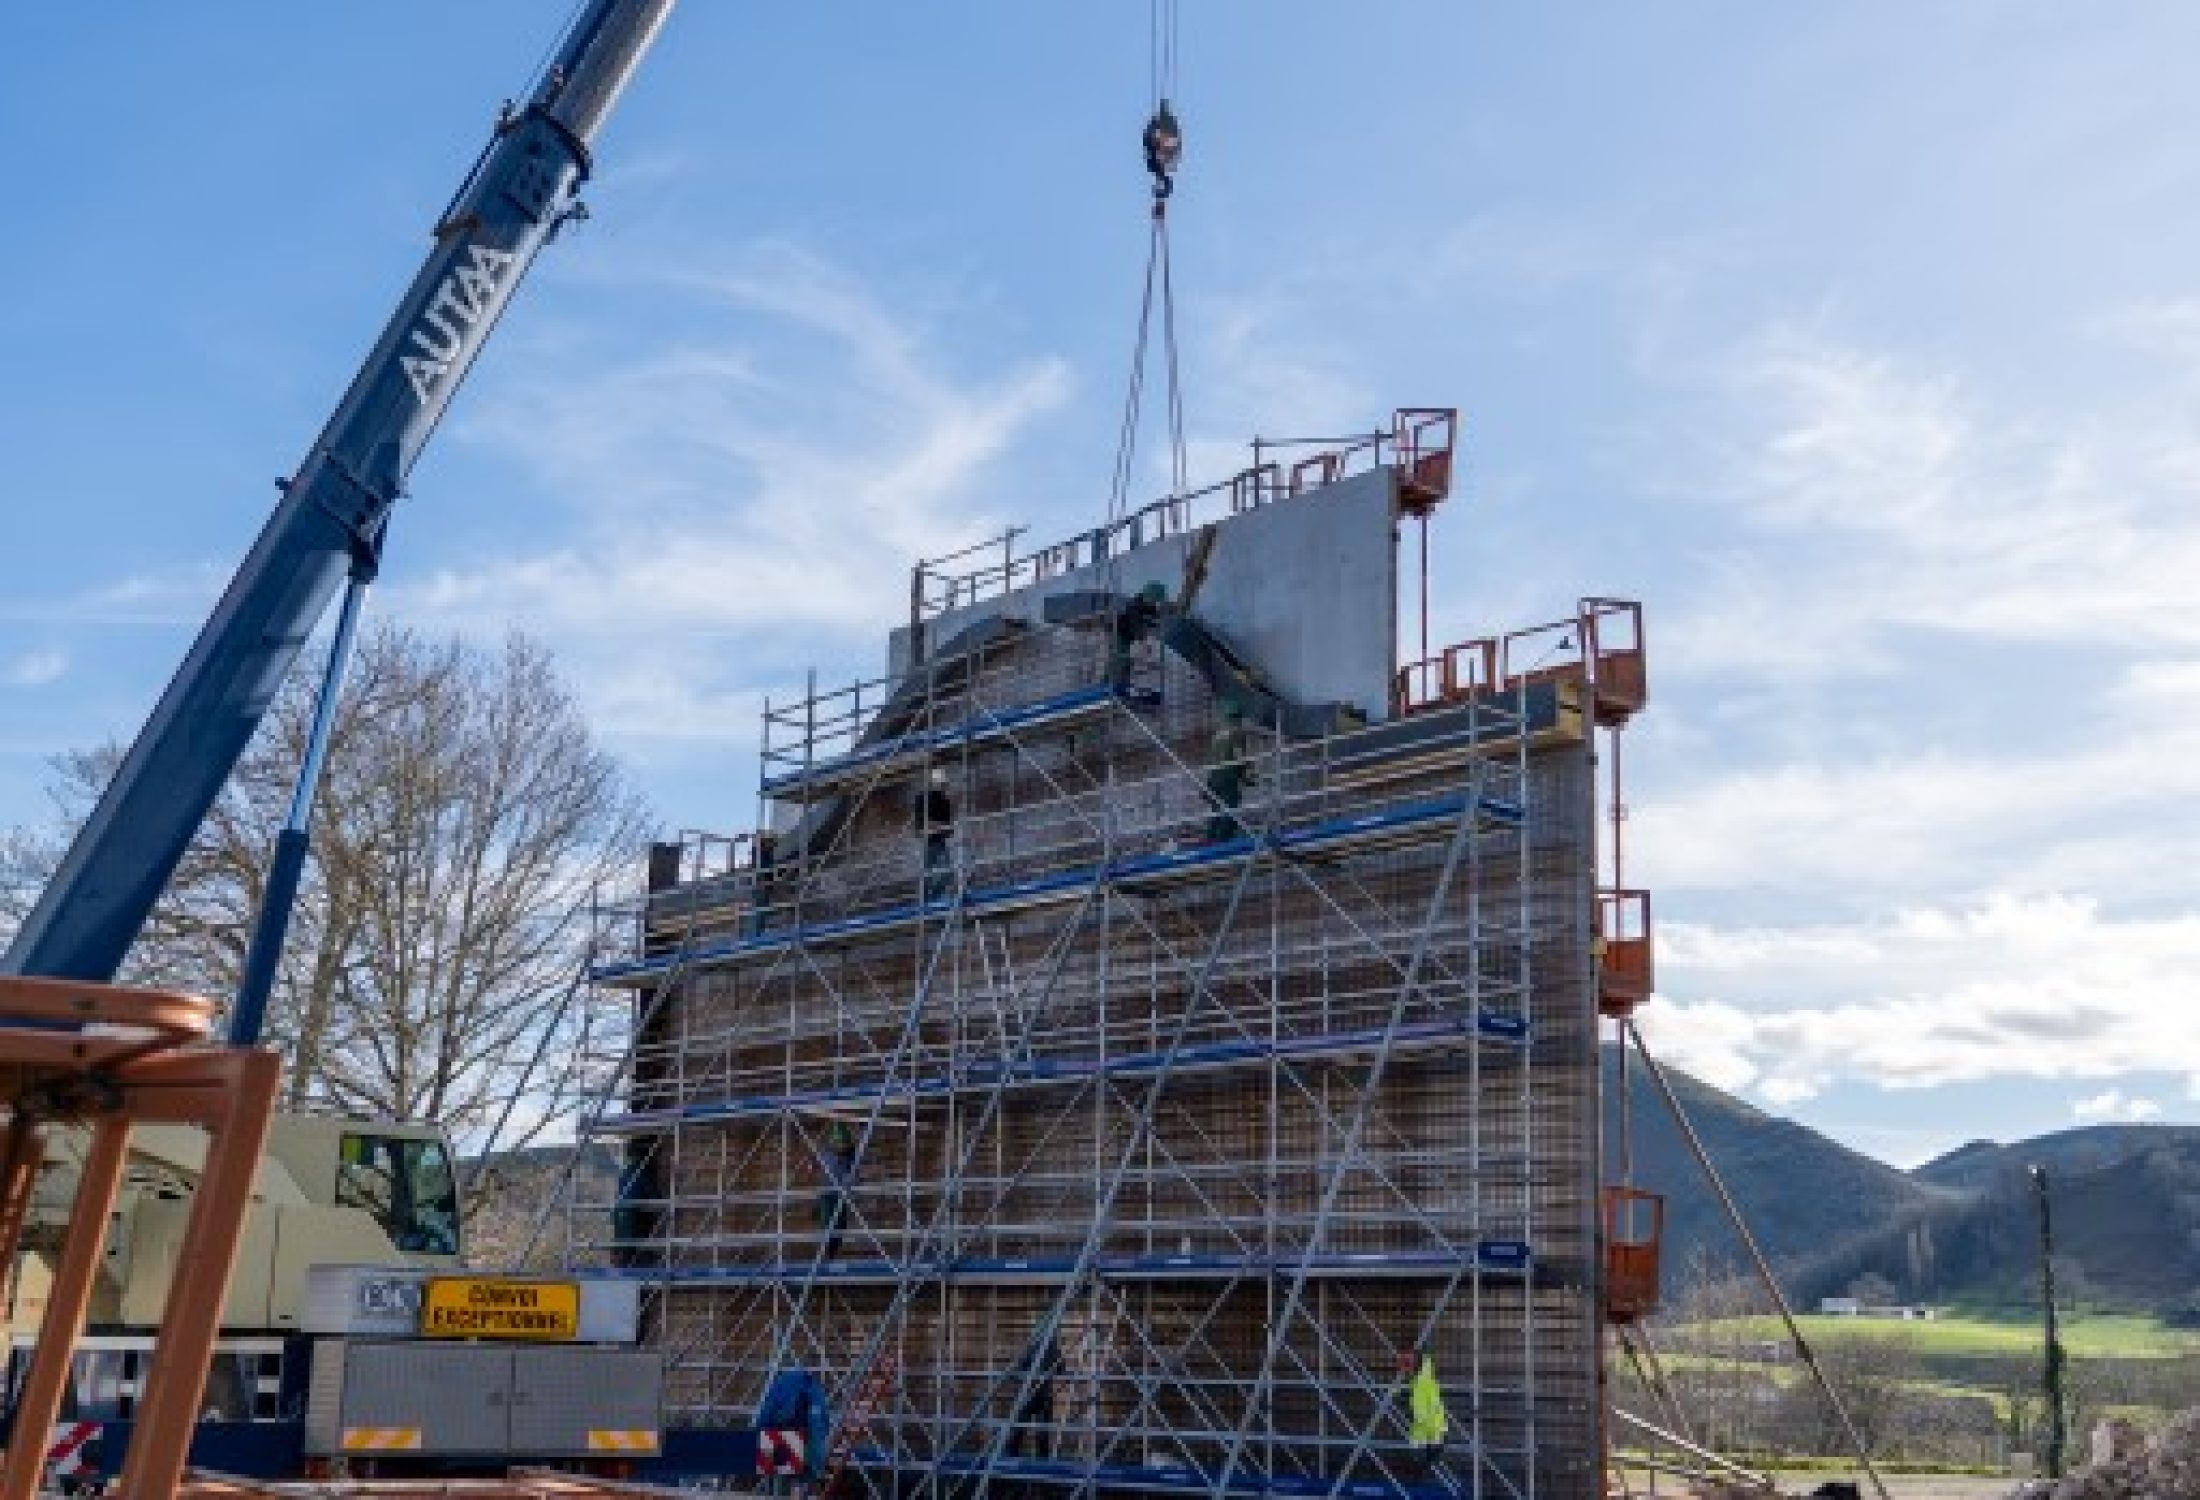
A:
x: 470, y: 1307
x: 621, y: 1440
x: 381, y: 1439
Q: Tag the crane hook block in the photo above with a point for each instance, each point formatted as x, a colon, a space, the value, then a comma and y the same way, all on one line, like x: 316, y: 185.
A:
x: 1164, y: 143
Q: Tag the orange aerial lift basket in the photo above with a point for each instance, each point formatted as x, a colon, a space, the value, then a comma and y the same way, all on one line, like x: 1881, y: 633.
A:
x: 1626, y: 967
x: 1612, y: 645
x: 1634, y: 1226
x: 1423, y: 439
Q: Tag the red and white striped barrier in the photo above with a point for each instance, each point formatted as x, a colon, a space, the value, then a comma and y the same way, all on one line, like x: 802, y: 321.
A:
x: 780, y: 1450
x: 65, y: 1454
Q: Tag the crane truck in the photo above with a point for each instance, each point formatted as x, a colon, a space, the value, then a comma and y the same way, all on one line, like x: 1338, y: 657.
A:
x: 349, y: 1313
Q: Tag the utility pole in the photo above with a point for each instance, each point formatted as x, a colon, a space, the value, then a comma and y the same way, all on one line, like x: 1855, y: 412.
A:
x: 2056, y: 1436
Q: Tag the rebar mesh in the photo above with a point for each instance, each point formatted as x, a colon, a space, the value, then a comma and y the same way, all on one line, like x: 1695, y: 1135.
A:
x: 1163, y: 1160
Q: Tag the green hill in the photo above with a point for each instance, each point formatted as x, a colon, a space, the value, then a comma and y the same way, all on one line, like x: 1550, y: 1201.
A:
x: 2127, y: 1227
x: 1979, y: 1165
x: 1803, y: 1193
x: 1960, y: 1231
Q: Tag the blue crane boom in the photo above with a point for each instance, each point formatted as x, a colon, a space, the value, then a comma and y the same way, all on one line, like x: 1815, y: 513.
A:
x: 330, y: 521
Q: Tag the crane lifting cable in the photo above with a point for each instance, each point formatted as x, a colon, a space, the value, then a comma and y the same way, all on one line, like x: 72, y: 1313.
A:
x: 1162, y: 142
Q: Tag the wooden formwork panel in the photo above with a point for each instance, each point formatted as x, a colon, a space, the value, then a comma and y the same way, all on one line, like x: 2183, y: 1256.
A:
x: 1427, y: 1149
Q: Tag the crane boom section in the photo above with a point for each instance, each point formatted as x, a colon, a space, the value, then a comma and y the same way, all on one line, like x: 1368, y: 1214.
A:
x: 333, y: 511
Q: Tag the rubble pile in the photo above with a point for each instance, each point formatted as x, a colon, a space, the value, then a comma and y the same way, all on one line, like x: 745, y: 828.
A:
x: 2126, y: 1466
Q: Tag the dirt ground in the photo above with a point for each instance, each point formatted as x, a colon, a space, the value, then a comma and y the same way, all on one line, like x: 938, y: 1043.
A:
x: 1917, y: 1486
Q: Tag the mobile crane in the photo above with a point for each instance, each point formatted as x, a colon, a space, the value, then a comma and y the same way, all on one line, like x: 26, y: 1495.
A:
x: 357, y: 1193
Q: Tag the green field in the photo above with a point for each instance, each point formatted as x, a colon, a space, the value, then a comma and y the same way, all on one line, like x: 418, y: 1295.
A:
x: 2084, y: 1335
x: 1945, y: 1369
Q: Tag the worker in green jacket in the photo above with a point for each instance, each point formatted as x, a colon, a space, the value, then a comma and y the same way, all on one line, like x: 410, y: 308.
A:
x: 1134, y: 622
x: 832, y: 1194
x: 1430, y: 1420
x: 1229, y: 768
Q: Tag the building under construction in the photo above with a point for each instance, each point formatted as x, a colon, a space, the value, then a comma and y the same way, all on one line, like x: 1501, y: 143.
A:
x: 1154, y: 1018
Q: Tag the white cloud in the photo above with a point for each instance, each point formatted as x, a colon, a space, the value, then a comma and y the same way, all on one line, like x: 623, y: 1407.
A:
x: 163, y: 601
x: 1932, y: 819
x: 1785, y: 1089
x: 2114, y: 1104
x: 2049, y: 988
x: 1874, y: 497
x: 727, y: 512
x: 2107, y: 815
x: 1711, y: 1039
x: 37, y: 668
x: 2167, y: 327
x: 1261, y: 363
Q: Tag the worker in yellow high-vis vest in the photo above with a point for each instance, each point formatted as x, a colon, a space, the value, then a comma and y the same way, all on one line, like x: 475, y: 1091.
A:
x: 1430, y: 1421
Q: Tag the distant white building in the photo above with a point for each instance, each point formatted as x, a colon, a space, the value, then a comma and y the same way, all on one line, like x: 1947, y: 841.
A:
x: 1850, y: 1307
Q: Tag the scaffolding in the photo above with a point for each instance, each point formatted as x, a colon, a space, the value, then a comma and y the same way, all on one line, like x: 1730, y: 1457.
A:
x: 1131, y: 1129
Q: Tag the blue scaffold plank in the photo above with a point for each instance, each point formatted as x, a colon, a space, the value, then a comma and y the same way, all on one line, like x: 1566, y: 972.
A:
x: 1505, y: 810
x: 974, y: 730
x: 1145, y: 869
x: 1172, y: 1478
x: 1496, y: 1257
x: 1039, y: 1072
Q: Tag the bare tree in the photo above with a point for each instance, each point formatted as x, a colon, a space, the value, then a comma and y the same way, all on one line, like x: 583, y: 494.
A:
x: 464, y: 817
x: 1713, y: 1318
x: 2014, y: 1381
x: 1877, y: 1375
x: 25, y: 862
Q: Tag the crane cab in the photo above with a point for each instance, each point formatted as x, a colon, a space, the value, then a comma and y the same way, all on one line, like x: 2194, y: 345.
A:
x: 331, y: 1191
x: 402, y: 1176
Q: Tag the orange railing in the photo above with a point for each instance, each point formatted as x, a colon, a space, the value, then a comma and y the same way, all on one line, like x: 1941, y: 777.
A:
x: 1601, y: 642
x: 1419, y: 446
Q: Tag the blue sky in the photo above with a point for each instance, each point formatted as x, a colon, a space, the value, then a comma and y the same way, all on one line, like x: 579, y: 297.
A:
x: 1861, y: 342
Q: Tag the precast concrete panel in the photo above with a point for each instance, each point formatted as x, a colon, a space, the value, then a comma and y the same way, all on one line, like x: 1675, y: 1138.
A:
x: 1305, y: 586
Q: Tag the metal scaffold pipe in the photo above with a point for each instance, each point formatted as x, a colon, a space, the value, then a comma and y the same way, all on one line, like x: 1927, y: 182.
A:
x: 1756, y: 1253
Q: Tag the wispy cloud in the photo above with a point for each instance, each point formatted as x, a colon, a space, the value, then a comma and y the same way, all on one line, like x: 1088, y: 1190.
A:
x: 37, y: 668
x: 157, y: 601
x: 738, y: 498
x: 1941, y: 676
x: 1873, y: 496
x: 1263, y: 364
x: 2115, y: 1104
x: 2044, y: 988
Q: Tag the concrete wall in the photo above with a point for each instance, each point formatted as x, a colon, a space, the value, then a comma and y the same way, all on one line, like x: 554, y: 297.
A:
x: 1305, y: 588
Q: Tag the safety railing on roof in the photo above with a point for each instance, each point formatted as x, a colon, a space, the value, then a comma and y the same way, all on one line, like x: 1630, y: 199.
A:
x: 1420, y: 444
x: 826, y: 725
x: 705, y: 855
x: 1601, y: 642
x: 1301, y: 790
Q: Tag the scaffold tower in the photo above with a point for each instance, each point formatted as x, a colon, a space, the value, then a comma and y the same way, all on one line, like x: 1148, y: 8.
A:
x: 1146, y: 1026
